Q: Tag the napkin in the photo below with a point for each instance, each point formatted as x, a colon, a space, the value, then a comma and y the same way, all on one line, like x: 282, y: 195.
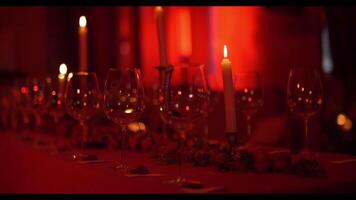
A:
x: 93, y: 161
x: 343, y: 161
x: 144, y: 175
x: 203, y: 190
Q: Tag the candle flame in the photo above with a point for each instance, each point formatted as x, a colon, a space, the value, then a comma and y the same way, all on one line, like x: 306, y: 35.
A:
x: 344, y: 122
x: 63, y: 68
x: 61, y: 76
x: 70, y: 75
x: 82, y: 21
x: 341, y: 119
x: 159, y: 9
x: 225, y: 51
x: 129, y: 110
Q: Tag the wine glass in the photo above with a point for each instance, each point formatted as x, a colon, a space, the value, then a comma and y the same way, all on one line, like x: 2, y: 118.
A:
x: 304, y: 95
x: 37, y: 92
x: 22, y: 100
x: 82, y: 101
x: 248, y: 95
x: 185, y: 102
x: 123, y: 101
x: 55, y: 104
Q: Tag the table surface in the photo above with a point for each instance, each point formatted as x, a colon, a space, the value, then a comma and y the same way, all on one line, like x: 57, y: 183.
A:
x: 25, y: 169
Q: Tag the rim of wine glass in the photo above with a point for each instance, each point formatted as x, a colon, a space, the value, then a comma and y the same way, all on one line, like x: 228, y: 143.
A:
x: 188, y: 65
x: 244, y: 73
x: 72, y: 74
x: 83, y: 73
x: 125, y: 69
x: 308, y: 69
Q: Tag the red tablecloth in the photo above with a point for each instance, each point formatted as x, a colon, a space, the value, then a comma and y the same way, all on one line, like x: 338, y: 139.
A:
x: 24, y: 169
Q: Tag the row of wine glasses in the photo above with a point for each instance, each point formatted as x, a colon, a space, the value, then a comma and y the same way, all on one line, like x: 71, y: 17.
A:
x: 183, y: 99
x: 122, y: 100
x: 304, y: 96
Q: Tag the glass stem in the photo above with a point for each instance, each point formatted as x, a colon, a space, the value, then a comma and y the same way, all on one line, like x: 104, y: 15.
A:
x: 84, y: 136
x: 38, y: 122
x: 248, y: 122
x: 164, y: 132
x: 56, y: 120
x: 181, y: 159
x: 306, y: 146
x: 123, y: 137
x: 206, y: 127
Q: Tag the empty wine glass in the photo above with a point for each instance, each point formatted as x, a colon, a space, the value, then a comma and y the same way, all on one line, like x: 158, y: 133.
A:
x: 304, y: 96
x: 82, y: 101
x: 123, y: 102
x: 37, y: 92
x: 22, y: 100
x: 248, y: 95
x: 185, y: 101
x: 55, y: 104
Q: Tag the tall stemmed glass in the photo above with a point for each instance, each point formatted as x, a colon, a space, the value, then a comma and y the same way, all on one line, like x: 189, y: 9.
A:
x: 82, y: 101
x: 37, y: 91
x: 22, y: 100
x: 55, y: 104
x: 304, y: 96
x: 185, y: 101
x: 248, y: 95
x: 123, y: 102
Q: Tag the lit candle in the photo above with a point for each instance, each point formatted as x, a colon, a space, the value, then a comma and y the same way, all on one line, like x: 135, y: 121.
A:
x: 185, y: 42
x: 61, y: 77
x: 83, y: 44
x: 229, y: 98
x: 161, y: 35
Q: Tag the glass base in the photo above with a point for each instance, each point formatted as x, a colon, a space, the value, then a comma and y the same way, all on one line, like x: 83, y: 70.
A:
x: 122, y: 167
x: 83, y: 156
x: 37, y: 143
x: 178, y: 180
x: 186, y: 183
x: 308, y: 153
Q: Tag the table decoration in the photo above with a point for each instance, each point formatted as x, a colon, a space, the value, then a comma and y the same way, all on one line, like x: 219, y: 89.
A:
x: 229, y: 99
x: 307, y: 164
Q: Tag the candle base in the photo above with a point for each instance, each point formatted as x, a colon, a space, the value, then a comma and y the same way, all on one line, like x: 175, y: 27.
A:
x: 234, y: 138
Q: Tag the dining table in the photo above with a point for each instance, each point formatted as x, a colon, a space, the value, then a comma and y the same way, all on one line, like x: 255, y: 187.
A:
x: 25, y: 168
